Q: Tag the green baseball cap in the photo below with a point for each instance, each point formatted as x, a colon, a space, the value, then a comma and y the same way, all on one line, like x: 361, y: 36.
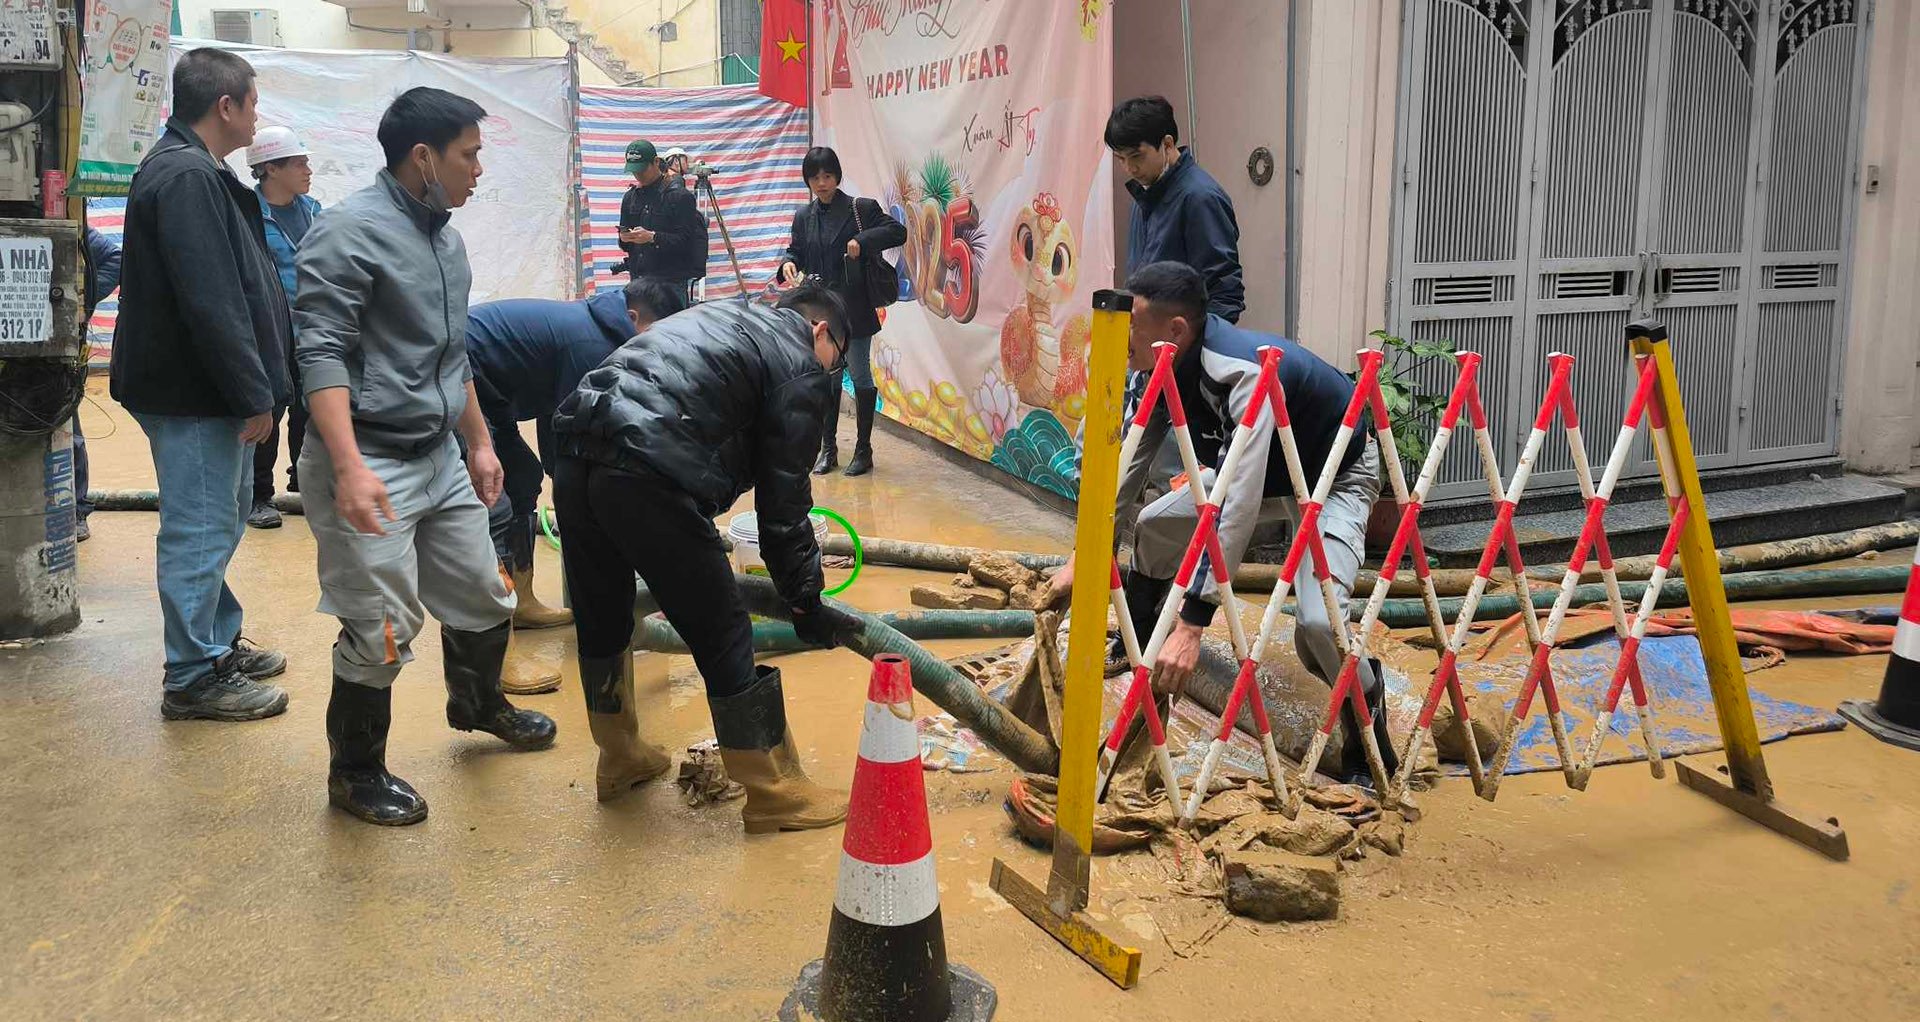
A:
x: 640, y: 153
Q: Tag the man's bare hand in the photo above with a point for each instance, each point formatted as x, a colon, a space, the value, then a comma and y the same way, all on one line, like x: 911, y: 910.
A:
x: 361, y: 498
x: 853, y: 248
x: 257, y: 428
x: 636, y: 236
x: 1179, y: 655
x: 1060, y: 587
x: 789, y: 274
x: 483, y: 466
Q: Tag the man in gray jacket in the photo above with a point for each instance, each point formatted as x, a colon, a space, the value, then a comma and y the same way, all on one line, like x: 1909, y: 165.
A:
x: 399, y: 518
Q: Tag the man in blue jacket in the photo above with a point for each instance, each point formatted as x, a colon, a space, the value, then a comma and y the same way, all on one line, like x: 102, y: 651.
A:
x: 1180, y: 212
x: 200, y: 360
x: 103, y: 276
x: 528, y: 354
x: 279, y: 163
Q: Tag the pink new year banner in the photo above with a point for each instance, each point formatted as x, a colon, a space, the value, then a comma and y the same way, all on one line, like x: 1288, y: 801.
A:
x: 978, y: 123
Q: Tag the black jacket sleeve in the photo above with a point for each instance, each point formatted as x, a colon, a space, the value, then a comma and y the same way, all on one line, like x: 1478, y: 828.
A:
x: 787, y: 439
x: 206, y: 273
x: 629, y: 217
x: 103, y: 268
x: 881, y: 232
x: 679, y: 221
x: 792, y: 254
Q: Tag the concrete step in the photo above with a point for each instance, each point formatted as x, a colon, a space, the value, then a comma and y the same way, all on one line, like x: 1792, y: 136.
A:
x: 1758, y: 514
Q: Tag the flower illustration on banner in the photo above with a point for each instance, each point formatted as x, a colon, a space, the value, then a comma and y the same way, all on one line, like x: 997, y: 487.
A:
x: 997, y: 404
x: 1090, y: 18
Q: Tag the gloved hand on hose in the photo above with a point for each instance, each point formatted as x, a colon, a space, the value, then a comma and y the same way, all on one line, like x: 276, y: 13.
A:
x: 813, y: 628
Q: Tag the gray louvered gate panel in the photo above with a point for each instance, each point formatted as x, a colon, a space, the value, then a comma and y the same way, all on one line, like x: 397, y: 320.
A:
x: 1640, y: 125
x: 1461, y: 210
x: 1792, y: 387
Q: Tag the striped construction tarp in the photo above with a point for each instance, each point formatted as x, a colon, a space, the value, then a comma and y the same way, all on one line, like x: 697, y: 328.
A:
x: 107, y: 216
x: 754, y: 145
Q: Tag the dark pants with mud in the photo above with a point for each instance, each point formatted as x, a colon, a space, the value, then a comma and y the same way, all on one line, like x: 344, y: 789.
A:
x: 615, y: 525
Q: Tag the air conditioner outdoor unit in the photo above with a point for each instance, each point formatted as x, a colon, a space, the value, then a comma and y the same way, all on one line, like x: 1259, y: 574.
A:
x: 255, y: 27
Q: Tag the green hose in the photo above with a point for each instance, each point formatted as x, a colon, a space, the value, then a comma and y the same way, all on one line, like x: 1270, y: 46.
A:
x: 777, y: 636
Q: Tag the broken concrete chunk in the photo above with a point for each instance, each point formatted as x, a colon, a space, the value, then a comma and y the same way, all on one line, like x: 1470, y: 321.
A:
x: 963, y: 581
x: 1026, y: 597
x: 1313, y: 832
x: 1280, y: 887
x: 1002, y: 573
x: 1388, y: 833
x: 1451, y: 741
x: 1224, y: 808
x: 950, y: 598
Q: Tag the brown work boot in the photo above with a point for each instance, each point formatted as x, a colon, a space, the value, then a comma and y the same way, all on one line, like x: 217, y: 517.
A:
x: 523, y: 675
x: 759, y: 754
x: 531, y: 613
x: 626, y: 760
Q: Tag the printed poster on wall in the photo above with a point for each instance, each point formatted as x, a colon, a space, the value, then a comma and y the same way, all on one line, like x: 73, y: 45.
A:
x: 977, y: 123
x: 126, y: 76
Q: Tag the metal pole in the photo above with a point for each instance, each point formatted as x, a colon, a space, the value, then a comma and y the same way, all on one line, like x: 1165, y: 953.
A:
x: 1290, y: 310
x: 1193, y: 102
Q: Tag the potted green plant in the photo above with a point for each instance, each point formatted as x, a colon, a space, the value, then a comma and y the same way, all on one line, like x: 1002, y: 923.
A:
x: 1415, y: 411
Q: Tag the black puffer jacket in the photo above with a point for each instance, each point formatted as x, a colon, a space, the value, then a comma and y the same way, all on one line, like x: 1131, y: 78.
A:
x: 720, y: 399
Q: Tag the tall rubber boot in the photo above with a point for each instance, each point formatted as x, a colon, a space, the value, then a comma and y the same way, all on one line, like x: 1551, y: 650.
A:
x: 1353, y: 754
x: 829, y: 426
x: 521, y: 674
x: 626, y: 760
x: 758, y: 752
x: 863, y: 407
x: 357, y: 777
x: 474, y: 699
x: 529, y: 612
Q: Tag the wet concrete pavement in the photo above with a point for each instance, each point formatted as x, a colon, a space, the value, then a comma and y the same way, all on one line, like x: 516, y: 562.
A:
x: 194, y: 871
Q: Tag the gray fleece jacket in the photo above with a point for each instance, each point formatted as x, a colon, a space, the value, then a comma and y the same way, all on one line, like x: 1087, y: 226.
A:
x: 382, y: 311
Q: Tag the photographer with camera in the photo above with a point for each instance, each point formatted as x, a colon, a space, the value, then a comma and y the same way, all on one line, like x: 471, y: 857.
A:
x: 661, y: 229
x: 839, y: 238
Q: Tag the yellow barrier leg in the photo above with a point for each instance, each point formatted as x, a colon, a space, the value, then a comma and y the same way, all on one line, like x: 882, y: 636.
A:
x: 1058, y: 909
x: 1750, y: 792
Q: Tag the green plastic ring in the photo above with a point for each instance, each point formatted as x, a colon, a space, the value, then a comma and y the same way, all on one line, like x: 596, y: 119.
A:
x: 859, y: 558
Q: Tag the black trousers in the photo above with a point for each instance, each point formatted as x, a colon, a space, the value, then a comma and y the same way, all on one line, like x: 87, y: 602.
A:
x: 268, y: 451
x: 614, y: 526
x: 519, y: 499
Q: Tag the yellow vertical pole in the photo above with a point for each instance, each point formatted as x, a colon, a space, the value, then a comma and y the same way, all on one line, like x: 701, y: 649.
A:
x: 1087, y: 636
x: 1751, y: 790
x: 1058, y: 909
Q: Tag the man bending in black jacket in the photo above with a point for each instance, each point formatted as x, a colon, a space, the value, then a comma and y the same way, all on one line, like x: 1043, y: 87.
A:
x: 669, y: 431
x: 199, y: 358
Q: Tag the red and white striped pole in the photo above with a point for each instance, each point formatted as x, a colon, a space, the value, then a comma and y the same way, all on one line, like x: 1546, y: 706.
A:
x: 1446, y: 678
x: 1626, y: 672
x: 1895, y: 717
x: 1540, y: 671
x: 886, y: 953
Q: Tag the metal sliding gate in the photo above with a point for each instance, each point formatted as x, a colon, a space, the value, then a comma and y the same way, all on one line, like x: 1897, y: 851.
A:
x: 1567, y: 165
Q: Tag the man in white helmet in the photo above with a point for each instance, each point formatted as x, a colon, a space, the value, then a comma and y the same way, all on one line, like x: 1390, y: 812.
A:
x: 279, y: 163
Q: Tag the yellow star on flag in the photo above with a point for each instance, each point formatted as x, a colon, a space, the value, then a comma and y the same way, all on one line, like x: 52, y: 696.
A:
x: 790, y: 48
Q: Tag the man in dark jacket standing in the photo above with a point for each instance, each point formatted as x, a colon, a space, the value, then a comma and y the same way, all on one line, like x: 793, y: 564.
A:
x: 199, y: 358
x: 661, y: 229
x: 103, y: 275
x: 528, y: 354
x: 670, y: 431
x: 398, y: 515
x: 1180, y: 213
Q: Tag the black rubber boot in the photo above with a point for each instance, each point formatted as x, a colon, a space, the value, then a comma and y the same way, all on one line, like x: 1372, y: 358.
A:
x: 829, y: 426
x: 474, y: 699
x: 357, y: 777
x: 863, y: 408
x: 1353, y: 755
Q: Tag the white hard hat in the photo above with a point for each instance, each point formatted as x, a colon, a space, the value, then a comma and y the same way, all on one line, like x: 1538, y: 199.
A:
x: 274, y: 143
x: 673, y: 152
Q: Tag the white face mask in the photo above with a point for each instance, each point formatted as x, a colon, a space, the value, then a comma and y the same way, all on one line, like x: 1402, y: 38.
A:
x: 434, y: 195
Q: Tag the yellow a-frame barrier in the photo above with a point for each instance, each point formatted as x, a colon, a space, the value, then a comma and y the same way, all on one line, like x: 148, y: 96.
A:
x: 1059, y: 909
x: 1747, y: 790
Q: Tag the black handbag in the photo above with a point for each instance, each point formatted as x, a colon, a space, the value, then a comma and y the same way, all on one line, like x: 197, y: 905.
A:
x: 881, y: 279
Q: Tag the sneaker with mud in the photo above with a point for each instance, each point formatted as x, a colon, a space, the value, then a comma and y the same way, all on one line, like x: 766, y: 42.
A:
x: 249, y: 659
x: 263, y: 516
x: 226, y: 695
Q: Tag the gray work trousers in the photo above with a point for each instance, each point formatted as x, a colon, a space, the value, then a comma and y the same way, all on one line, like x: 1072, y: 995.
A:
x: 438, y: 552
x: 1165, y: 527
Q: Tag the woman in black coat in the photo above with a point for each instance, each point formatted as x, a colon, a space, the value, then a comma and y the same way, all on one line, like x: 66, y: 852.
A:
x: 829, y: 235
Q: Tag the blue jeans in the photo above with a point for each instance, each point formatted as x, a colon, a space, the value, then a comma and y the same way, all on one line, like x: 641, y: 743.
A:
x: 206, y: 490
x: 860, y: 362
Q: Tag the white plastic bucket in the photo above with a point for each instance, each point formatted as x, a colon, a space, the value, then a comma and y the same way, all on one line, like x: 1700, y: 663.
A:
x: 744, y: 531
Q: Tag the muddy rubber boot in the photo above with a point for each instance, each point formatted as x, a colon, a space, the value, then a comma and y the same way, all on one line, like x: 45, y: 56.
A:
x: 863, y: 408
x: 758, y: 752
x: 830, y: 426
x: 474, y: 699
x: 626, y: 760
x: 522, y: 675
x: 1353, y: 754
x: 357, y: 777
x: 529, y: 612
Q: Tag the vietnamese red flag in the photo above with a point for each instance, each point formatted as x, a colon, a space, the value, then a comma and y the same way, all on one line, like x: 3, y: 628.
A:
x: 783, y: 50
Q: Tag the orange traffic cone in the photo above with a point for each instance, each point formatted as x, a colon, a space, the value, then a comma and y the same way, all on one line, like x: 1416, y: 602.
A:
x: 886, y: 955
x: 1895, y: 717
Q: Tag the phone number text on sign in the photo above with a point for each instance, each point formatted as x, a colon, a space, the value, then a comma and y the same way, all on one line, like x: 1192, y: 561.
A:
x: 26, y: 286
